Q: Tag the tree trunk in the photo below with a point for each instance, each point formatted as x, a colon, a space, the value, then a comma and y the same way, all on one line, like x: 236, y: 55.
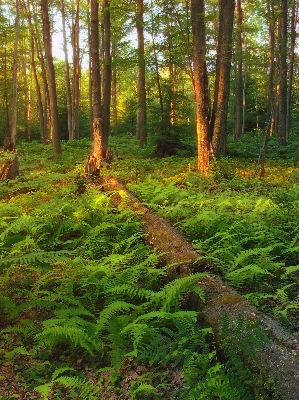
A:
x: 67, y: 73
x: 201, y: 85
x: 76, y: 74
x: 141, y: 133
x: 239, y: 78
x: 10, y: 165
x: 93, y: 164
x: 156, y: 65
x: 10, y: 139
x: 107, y: 74
x: 271, y: 91
x: 283, y: 26
x: 222, y: 82
x: 5, y: 94
x: 114, y: 92
x: 34, y: 48
x: 294, y: 18
x: 51, y: 78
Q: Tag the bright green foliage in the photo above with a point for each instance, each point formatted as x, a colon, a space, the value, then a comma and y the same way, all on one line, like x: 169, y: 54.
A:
x: 78, y: 283
x: 247, y: 228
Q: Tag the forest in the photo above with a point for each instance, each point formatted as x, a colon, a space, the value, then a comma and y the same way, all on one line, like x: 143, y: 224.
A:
x: 149, y: 200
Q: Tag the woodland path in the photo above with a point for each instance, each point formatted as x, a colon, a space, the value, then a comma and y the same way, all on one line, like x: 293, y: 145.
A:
x: 276, y: 365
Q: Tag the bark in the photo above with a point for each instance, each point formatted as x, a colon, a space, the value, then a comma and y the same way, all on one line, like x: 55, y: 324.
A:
x: 283, y: 26
x: 201, y: 85
x: 114, y: 92
x: 107, y: 74
x: 239, y: 79
x: 10, y: 139
x: 27, y: 96
x: 90, y: 88
x: 76, y: 74
x: 33, y: 50
x: 7, y: 118
x: 51, y: 78
x: 141, y: 132
x: 10, y: 165
x: 294, y: 18
x: 222, y: 81
x: 93, y: 164
x: 271, y: 91
x: 156, y: 65
x: 46, y: 92
x: 67, y: 73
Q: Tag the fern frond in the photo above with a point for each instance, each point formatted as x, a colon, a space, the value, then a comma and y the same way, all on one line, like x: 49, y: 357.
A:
x: 72, y: 334
x: 171, y: 293
x: 127, y: 291
x: 25, y: 327
x: 117, y: 307
x: 40, y: 259
x: 244, y: 255
x: 144, y: 389
x: 250, y: 273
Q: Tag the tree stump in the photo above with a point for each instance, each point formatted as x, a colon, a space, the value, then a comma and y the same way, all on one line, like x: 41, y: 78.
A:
x: 93, y: 164
x: 9, y: 165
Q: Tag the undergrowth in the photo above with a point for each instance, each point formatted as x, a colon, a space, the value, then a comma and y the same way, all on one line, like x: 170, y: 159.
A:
x: 87, y: 312
x: 245, y: 226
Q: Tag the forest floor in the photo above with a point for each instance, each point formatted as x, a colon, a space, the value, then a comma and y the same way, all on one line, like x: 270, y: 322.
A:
x: 174, y: 250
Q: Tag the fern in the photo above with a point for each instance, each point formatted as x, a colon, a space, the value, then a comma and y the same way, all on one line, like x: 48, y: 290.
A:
x: 79, y: 386
x: 143, y: 391
x: 115, y: 308
x: 40, y: 259
x: 169, y: 296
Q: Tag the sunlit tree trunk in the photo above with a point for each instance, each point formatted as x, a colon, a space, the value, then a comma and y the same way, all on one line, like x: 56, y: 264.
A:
x: 114, y: 92
x: 10, y: 140
x: 222, y: 82
x: 201, y: 85
x: 5, y: 93
x: 283, y: 32
x: 156, y: 65
x: 51, y: 78
x: 239, y: 75
x: 294, y: 18
x: 141, y: 132
x: 76, y: 73
x: 107, y: 74
x: 10, y: 168
x: 93, y: 164
x: 271, y: 90
x: 67, y: 73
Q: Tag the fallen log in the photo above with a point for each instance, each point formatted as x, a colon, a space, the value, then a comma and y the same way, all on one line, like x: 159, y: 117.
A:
x: 275, y: 366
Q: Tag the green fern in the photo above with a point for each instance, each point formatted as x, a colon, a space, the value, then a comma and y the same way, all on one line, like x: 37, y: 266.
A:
x: 41, y: 259
x: 117, y: 307
x: 81, y: 387
x: 168, y: 297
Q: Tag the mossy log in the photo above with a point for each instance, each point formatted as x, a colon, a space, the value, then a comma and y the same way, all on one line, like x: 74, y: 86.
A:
x: 276, y: 365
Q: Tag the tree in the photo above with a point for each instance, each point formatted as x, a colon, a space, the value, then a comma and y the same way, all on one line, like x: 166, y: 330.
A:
x: 141, y: 133
x: 107, y: 73
x: 10, y: 168
x: 283, y: 36
x: 239, y: 74
x: 211, y: 133
x: 93, y: 164
x: 47, y: 37
x: 222, y: 81
x: 201, y: 90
